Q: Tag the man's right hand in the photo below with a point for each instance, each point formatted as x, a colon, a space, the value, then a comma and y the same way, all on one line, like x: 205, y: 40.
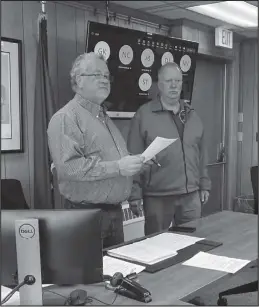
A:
x: 135, y: 207
x: 130, y: 165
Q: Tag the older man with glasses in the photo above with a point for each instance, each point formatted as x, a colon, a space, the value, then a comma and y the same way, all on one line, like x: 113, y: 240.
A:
x: 90, y: 157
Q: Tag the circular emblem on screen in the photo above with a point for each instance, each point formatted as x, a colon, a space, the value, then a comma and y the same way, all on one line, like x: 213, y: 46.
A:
x: 103, y: 48
x: 26, y: 231
x: 145, y: 82
x: 167, y: 57
x: 126, y: 54
x: 147, y: 57
x: 185, y: 63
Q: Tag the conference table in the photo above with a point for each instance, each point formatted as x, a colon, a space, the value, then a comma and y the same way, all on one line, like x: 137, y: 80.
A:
x: 238, y: 233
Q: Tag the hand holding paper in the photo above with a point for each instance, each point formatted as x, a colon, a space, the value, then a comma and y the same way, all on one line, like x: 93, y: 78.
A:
x: 156, y: 146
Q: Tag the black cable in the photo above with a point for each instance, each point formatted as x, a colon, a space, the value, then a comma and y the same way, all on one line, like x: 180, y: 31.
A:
x: 45, y: 290
x: 88, y: 300
x: 107, y: 12
x: 93, y: 298
x: 28, y: 280
x: 9, y: 295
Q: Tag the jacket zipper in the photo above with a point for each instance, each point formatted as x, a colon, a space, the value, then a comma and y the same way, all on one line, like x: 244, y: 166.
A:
x: 184, y: 160
x: 185, y: 171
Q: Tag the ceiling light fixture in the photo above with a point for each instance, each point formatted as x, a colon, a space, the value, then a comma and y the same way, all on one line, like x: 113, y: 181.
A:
x: 238, y: 13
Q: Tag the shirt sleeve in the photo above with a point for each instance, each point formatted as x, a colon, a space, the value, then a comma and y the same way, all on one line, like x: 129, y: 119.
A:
x: 71, y: 156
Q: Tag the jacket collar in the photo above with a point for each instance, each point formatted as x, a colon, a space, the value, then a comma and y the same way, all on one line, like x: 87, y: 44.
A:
x: 156, y: 105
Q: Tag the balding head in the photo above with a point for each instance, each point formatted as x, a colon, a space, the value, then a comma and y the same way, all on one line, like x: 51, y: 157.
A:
x: 169, y: 65
x: 170, y: 80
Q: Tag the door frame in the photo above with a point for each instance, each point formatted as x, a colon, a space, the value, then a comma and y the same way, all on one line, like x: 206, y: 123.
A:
x: 230, y: 170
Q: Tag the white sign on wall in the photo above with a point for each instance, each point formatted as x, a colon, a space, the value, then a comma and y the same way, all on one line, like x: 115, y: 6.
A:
x: 223, y: 38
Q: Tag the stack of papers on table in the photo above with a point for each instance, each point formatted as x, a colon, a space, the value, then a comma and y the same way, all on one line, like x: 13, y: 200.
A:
x: 214, y: 262
x: 173, y: 241
x: 155, y: 249
x: 142, y: 253
x: 114, y: 265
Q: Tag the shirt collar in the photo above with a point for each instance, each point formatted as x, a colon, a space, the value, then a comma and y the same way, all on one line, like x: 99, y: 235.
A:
x: 156, y: 105
x: 92, y: 107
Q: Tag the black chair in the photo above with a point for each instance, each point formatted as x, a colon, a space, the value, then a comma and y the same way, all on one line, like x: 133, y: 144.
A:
x: 252, y: 286
x: 12, y: 197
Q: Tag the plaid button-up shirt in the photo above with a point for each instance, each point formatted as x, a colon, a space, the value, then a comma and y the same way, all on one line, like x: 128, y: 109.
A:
x: 85, y: 146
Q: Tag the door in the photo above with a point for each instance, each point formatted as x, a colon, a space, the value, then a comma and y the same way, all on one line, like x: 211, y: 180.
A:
x: 208, y: 101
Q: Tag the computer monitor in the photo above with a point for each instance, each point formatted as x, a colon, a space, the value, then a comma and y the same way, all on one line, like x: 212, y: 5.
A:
x: 70, y: 245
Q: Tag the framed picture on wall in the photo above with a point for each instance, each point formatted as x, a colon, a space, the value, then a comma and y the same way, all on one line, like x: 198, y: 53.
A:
x: 11, y: 95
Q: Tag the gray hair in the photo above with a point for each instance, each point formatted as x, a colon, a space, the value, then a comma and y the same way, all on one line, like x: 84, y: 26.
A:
x: 87, y: 59
x: 168, y: 64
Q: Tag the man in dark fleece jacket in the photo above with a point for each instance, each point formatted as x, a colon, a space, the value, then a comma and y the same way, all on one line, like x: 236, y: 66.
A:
x: 174, y: 191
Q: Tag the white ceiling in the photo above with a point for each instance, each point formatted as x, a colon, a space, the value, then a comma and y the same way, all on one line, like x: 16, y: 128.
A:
x: 172, y: 10
x: 164, y: 12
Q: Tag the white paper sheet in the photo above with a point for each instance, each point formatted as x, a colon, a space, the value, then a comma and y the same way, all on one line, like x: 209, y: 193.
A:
x: 156, y: 146
x: 214, y: 262
x: 113, y: 265
x: 142, y: 252
x: 173, y: 241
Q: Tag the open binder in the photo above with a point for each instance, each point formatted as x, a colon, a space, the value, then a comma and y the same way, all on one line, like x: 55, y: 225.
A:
x: 175, y: 258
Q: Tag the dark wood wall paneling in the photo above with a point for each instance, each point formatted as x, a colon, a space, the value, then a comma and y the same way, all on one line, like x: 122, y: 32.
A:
x: 17, y: 23
x: 66, y: 39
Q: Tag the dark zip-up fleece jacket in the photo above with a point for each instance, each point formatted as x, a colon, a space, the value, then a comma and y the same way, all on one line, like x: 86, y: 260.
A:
x: 183, y: 164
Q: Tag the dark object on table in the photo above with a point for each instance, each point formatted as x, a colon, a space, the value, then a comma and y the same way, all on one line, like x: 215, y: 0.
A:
x: 182, y: 229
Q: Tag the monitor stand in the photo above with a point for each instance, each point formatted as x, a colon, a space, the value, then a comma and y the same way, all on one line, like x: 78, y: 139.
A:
x: 28, y: 260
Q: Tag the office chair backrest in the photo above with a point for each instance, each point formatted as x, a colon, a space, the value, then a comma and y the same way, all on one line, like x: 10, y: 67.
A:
x: 254, y: 179
x: 12, y: 197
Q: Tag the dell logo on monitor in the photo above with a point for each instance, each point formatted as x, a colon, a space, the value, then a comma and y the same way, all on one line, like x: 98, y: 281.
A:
x: 26, y: 231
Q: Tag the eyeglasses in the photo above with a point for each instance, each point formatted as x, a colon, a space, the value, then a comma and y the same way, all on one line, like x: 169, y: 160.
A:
x: 99, y: 76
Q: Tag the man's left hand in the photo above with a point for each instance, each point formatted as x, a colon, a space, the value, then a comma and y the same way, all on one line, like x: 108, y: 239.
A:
x: 204, y: 196
x: 147, y: 165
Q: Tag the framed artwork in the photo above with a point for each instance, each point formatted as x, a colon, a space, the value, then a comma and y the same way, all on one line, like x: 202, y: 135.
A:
x: 11, y: 95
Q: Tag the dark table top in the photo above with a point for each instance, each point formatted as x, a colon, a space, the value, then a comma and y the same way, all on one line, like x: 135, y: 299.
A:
x: 237, y: 232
